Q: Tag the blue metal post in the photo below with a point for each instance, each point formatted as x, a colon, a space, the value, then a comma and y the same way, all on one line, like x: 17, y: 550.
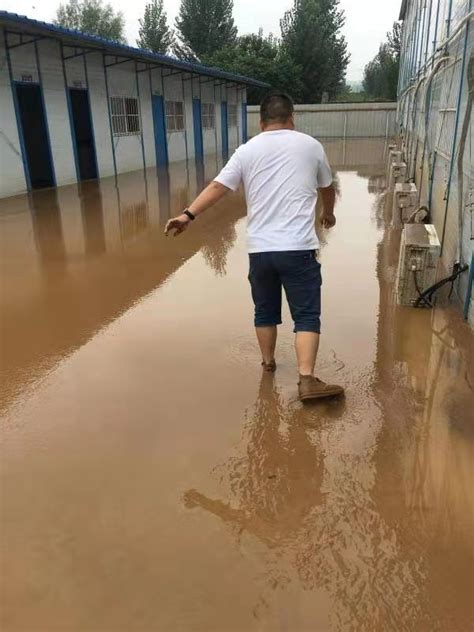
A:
x: 107, y: 95
x: 428, y: 32
x: 456, y: 127
x: 244, y: 123
x: 448, y: 21
x: 86, y: 75
x: 141, y: 118
x: 197, y: 125
x: 435, y: 37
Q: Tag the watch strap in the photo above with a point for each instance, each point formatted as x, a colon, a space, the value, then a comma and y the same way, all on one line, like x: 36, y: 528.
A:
x: 189, y: 214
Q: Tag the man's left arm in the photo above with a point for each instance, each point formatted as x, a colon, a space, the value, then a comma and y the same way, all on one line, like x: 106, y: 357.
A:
x: 228, y: 180
x: 207, y: 198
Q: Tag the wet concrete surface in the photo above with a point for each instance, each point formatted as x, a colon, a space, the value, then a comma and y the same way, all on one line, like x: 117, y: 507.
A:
x: 153, y: 479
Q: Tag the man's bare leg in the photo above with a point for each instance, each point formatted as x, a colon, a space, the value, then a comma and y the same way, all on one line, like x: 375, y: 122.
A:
x: 307, y: 345
x: 267, y: 338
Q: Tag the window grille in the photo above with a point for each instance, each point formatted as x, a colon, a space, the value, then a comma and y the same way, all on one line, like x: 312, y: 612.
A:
x: 174, y: 116
x: 125, y: 116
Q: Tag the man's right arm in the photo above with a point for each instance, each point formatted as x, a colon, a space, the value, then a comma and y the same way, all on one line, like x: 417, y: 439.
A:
x: 328, y: 194
x: 327, y: 191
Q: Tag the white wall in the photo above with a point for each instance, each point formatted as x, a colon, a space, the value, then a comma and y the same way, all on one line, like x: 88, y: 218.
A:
x: 57, y: 113
x: 128, y: 149
x: 234, y: 136
x: 12, y: 175
x: 146, y: 113
x: 122, y: 82
x: 100, y: 114
x: 173, y: 91
x: 209, y: 135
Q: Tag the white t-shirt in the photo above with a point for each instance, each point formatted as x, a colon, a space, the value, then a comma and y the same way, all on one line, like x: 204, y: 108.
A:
x: 281, y: 171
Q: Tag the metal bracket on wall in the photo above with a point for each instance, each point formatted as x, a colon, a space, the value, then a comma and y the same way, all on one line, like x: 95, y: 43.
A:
x: 83, y: 53
x: 175, y: 72
x: 117, y: 63
x: 21, y: 43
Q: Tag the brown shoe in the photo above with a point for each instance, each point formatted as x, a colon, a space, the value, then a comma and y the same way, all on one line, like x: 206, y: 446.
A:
x: 313, y: 388
x: 269, y: 367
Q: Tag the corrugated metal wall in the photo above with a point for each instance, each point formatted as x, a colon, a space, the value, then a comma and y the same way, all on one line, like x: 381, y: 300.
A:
x: 437, y: 67
x: 339, y: 120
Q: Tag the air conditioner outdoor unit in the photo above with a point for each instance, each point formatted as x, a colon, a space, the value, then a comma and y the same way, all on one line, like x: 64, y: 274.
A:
x: 394, y: 155
x: 405, y: 203
x: 419, y: 255
x: 398, y: 172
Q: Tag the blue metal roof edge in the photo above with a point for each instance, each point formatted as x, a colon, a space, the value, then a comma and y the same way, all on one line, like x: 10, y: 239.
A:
x: 118, y: 48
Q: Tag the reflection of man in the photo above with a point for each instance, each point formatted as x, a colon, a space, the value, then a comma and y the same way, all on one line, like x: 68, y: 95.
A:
x: 282, y: 171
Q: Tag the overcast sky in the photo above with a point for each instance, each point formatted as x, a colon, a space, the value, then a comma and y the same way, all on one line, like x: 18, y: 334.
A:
x: 366, y: 20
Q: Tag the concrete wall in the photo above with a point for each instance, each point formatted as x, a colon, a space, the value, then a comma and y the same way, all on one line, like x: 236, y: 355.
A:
x: 131, y: 152
x: 339, y: 120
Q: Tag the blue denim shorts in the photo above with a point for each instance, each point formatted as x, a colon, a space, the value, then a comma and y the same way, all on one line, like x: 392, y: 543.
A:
x: 299, y: 273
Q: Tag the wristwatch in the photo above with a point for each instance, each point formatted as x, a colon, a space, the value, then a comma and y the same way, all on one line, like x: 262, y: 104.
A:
x: 189, y: 214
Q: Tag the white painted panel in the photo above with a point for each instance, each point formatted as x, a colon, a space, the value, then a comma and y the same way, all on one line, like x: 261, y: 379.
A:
x: 12, y: 176
x: 75, y: 71
x: 147, y: 119
x: 173, y: 91
x: 156, y: 81
x: 23, y: 60
x: 189, y: 116
x: 100, y: 114
x: 209, y: 135
x: 57, y: 113
x: 128, y: 149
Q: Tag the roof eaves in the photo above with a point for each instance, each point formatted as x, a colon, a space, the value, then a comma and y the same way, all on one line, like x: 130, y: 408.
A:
x: 135, y: 53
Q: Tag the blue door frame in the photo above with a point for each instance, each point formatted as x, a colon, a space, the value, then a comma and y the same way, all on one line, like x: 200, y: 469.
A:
x: 197, y: 126
x: 159, y: 124
x: 244, y: 123
x: 225, y: 130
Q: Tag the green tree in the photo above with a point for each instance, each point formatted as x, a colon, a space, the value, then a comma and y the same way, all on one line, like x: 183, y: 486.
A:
x: 261, y: 58
x: 381, y: 74
x: 92, y: 16
x: 155, y: 34
x: 311, y: 37
x: 204, y: 27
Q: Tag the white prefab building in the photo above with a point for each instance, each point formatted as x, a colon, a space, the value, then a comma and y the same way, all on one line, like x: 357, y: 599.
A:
x: 75, y: 107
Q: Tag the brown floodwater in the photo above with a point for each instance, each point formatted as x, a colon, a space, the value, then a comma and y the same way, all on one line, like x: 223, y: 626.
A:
x: 153, y: 479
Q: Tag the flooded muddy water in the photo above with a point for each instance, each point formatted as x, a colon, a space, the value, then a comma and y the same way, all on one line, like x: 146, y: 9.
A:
x: 153, y: 479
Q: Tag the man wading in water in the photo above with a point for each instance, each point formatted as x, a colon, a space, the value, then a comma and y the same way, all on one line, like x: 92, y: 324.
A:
x: 282, y: 171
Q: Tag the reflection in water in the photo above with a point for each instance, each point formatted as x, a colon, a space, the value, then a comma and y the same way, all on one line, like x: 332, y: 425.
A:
x: 164, y: 194
x: 85, y: 229
x: 352, y: 515
x: 47, y: 226
x: 311, y: 505
x: 92, y: 217
x: 134, y: 219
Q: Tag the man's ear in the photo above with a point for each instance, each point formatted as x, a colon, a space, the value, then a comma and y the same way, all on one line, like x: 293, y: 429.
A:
x: 292, y: 121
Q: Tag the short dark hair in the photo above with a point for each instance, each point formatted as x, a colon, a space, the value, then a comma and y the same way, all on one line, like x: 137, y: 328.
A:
x: 276, y: 107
